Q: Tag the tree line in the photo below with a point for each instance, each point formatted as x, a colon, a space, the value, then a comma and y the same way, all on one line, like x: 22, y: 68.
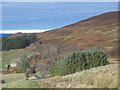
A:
x: 17, y: 42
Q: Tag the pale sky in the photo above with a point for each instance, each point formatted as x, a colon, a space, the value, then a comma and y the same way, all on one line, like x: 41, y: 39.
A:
x: 36, y: 17
x: 60, y: 0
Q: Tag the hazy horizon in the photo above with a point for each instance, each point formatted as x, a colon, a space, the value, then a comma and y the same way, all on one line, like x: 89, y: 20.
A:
x: 23, y: 31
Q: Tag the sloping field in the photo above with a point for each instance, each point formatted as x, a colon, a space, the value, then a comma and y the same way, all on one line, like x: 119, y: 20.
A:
x: 13, y: 56
x: 99, y: 77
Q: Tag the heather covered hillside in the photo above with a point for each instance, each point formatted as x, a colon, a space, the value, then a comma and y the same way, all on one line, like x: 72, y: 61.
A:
x: 100, y: 31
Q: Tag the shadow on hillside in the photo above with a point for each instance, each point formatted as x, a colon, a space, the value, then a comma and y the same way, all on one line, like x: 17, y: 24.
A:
x: 37, y: 77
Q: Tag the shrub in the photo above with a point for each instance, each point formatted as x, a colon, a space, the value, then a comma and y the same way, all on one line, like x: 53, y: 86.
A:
x: 40, y: 42
x: 42, y: 69
x: 77, y: 61
x: 39, y: 49
x: 51, y: 51
x: 34, y: 56
x: 23, y: 66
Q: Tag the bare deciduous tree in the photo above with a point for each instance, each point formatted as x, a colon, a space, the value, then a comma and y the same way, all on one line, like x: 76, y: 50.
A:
x: 42, y: 69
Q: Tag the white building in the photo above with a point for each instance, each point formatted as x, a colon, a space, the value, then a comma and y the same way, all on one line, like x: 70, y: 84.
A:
x: 13, y: 64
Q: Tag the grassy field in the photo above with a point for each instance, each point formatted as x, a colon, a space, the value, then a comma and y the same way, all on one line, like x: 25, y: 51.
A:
x: 17, y: 81
x: 3, y: 63
x: 100, y: 77
x: 13, y: 55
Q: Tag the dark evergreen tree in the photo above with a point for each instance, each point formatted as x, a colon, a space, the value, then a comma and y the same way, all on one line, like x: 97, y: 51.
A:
x: 17, y: 42
x: 77, y: 61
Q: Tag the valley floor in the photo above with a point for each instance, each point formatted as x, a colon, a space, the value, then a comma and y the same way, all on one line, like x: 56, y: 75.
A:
x: 99, y: 77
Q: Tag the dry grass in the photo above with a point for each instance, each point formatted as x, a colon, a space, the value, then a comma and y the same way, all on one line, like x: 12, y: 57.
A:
x: 102, y: 77
x: 99, y: 77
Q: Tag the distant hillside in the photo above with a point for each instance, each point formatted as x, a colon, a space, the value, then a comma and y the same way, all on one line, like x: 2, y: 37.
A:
x: 100, y: 31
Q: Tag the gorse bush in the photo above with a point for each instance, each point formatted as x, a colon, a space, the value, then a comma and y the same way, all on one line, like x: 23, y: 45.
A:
x: 77, y: 61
